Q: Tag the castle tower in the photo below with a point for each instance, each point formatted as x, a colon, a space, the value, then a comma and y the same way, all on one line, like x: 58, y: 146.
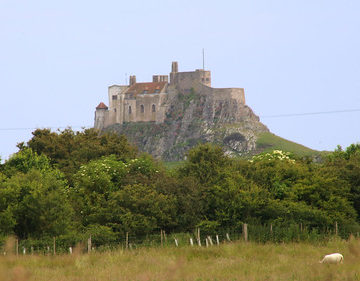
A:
x: 100, y: 116
x: 174, y: 70
x: 132, y: 80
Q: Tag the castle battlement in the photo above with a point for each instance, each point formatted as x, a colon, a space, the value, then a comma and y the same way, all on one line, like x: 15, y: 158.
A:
x: 146, y: 101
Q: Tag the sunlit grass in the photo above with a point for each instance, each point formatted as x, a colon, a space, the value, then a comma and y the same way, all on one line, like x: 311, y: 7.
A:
x: 268, y: 142
x: 234, y: 261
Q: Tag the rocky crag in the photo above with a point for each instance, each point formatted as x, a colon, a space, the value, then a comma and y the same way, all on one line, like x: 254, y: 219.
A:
x: 192, y: 118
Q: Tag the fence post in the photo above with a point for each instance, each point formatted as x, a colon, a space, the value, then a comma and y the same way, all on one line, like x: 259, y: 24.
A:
x: 89, y: 244
x: 70, y: 250
x: 176, y: 242
x: 228, y: 237
x: 245, y: 232
x: 217, y: 240
x: 127, y: 240
x: 191, y: 242
x: 17, y: 246
x: 24, y: 251
x: 32, y: 250
x: 336, y: 228
x: 161, y: 237
x: 210, y: 240
x: 54, y: 246
x: 198, y: 237
x: 206, y: 241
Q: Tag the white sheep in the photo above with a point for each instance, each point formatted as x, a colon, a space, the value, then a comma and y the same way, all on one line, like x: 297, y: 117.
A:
x: 333, y: 258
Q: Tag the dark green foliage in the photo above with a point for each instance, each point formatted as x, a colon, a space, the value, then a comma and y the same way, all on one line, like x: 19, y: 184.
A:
x: 75, y: 184
x: 34, y: 197
x: 68, y: 150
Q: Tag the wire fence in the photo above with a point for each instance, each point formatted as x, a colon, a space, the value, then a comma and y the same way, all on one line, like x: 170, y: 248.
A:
x: 198, y: 238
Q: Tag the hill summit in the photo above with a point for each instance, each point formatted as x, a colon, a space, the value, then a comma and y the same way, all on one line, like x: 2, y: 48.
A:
x: 166, y: 118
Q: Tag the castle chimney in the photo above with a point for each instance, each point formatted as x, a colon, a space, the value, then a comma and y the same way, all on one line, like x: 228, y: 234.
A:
x: 132, y: 79
x: 174, y: 66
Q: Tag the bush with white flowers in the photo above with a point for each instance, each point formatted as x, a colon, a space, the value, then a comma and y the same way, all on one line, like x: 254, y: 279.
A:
x: 274, y: 155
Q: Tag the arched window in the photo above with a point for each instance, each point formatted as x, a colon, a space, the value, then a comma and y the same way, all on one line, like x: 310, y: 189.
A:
x: 153, y: 109
x: 129, y: 109
x: 142, y: 108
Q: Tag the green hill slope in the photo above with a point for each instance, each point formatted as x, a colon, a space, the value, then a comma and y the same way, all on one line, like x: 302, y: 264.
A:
x: 268, y: 142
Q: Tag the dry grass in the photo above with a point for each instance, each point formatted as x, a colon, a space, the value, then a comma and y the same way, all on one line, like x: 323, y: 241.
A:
x: 236, y: 261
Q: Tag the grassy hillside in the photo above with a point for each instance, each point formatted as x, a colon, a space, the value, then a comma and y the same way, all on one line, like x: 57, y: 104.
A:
x: 268, y: 142
x: 234, y: 261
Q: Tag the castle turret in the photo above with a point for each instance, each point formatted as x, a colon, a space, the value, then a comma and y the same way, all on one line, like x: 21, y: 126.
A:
x: 132, y: 80
x: 174, y: 70
x: 100, y: 116
x: 174, y: 66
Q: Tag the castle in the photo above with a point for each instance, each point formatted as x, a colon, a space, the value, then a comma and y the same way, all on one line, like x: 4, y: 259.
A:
x: 148, y: 102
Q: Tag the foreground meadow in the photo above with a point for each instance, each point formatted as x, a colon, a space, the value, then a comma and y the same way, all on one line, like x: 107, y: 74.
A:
x: 235, y: 261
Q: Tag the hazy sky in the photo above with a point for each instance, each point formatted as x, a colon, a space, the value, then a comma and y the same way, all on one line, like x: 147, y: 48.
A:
x: 57, y: 59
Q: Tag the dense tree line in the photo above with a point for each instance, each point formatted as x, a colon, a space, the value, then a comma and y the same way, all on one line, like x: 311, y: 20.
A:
x: 69, y: 183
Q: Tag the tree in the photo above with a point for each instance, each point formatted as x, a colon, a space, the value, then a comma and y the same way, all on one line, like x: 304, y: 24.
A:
x: 111, y: 193
x: 68, y: 150
x: 34, y: 197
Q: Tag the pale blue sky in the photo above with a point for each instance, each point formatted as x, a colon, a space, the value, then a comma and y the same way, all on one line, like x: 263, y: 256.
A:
x: 57, y: 59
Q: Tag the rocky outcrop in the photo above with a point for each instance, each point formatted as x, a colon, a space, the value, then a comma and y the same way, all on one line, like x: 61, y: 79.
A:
x: 193, y: 118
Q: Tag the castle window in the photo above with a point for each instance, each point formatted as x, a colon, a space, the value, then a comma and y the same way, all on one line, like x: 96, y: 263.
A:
x: 153, y: 109
x: 142, y: 108
x: 114, y: 97
x: 129, y: 109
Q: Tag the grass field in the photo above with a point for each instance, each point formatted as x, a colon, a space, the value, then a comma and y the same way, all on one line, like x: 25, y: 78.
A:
x: 267, y: 142
x: 235, y: 261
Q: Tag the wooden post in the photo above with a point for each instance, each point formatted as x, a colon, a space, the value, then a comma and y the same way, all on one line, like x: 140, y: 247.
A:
x: 17, y: 246
x: 191, y: 242
x: 206, y: 241
x: 127, y: 240
x: 161, y: 237
x: 336, y: 228
x: 32, y: 250
x: 198, y: 237
x: 89, y: 244
x: 176, y: 242
x: 54, y: 246
x: 48, y: 250
x: 70, y: 250
x: 217, y: 240
x: 228, y: 237
x: 245, y: 232
x: 210, y: 240
x: 24, y: 251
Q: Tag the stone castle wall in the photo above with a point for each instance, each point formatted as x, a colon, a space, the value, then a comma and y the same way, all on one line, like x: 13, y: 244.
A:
x: 151, y: 107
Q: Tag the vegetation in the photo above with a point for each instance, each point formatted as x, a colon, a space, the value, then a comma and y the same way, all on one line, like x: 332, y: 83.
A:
x: 70, y: 185
x: 268, y: 142
x: 233, y: 261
